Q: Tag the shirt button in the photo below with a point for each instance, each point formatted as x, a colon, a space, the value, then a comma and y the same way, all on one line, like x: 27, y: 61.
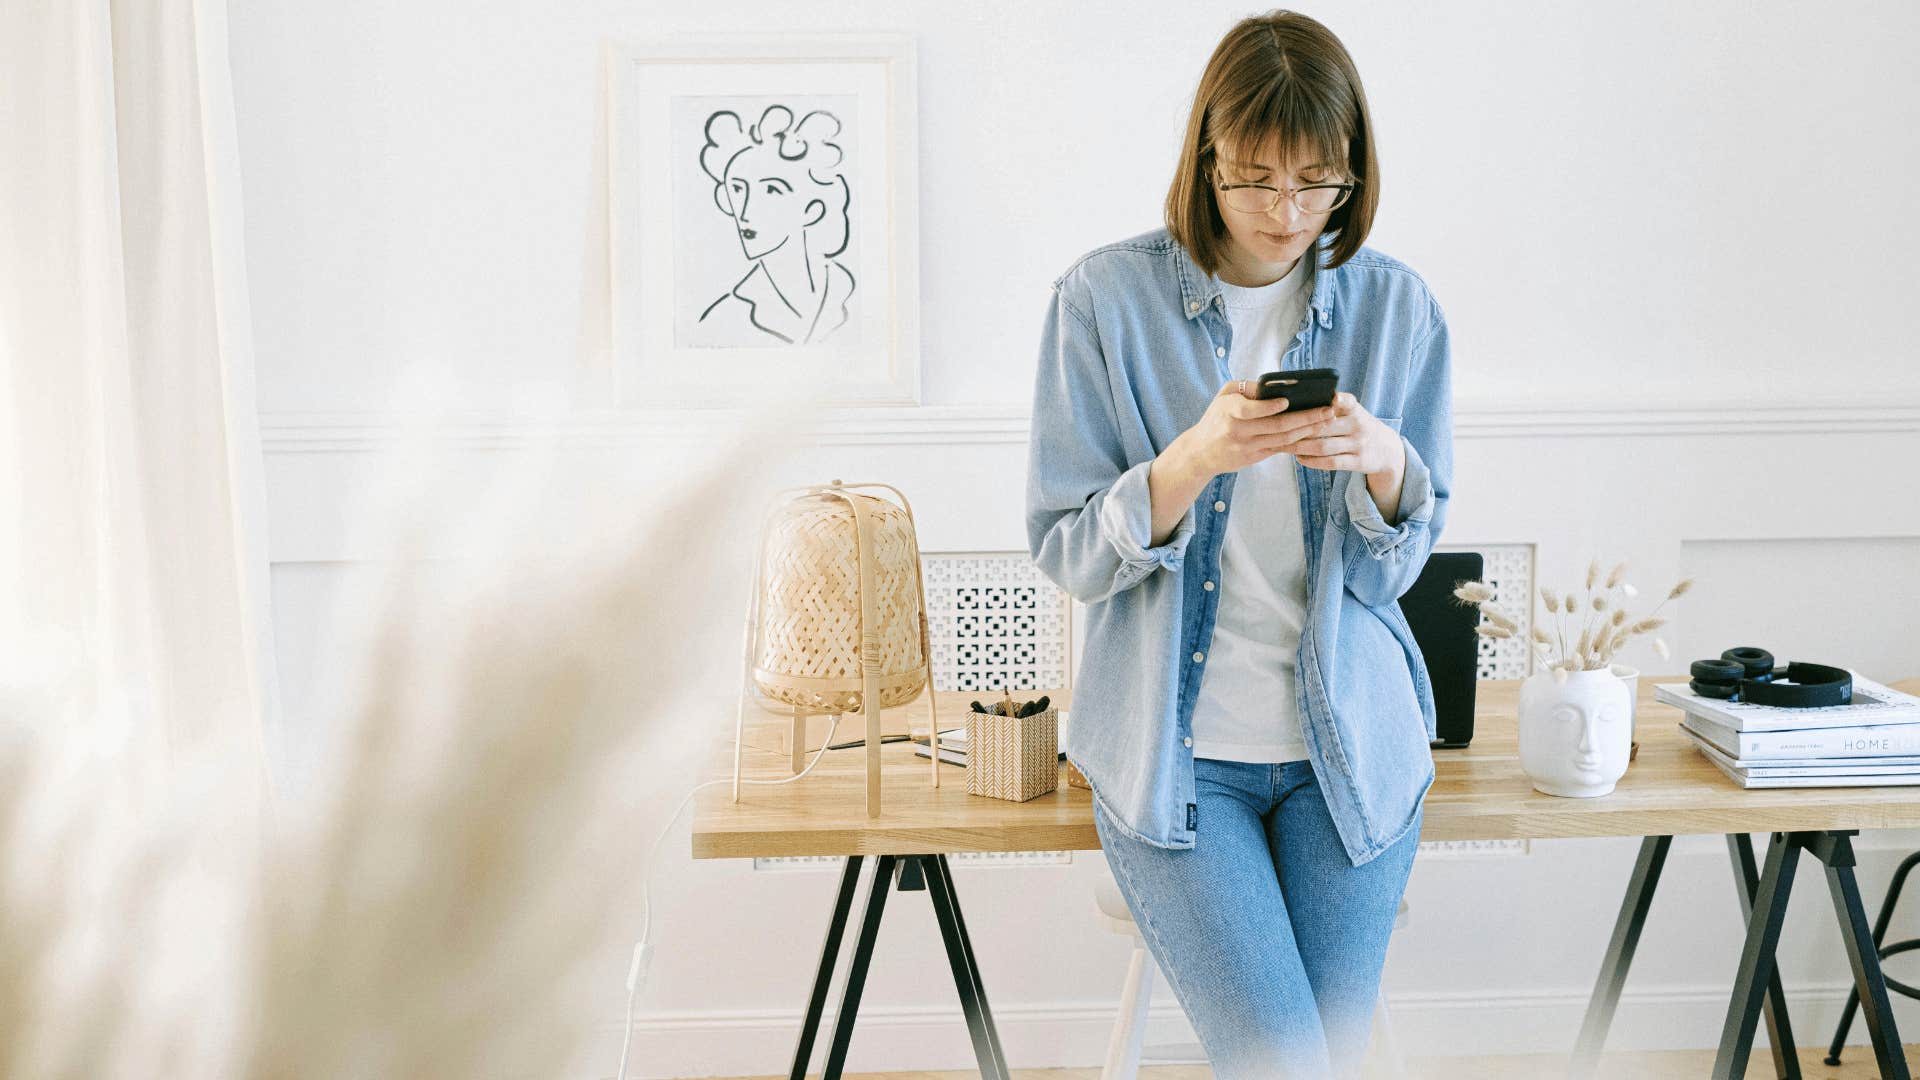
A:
x: 1188, y: 741
x: 1220, y: 351
x: 1199, y: 656
x: 1194, y: 306
x: 1207, y: 585
x: 1219, y: 506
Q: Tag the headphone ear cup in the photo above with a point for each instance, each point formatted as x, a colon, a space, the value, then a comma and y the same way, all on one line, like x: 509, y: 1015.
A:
x: 1757, y: 663
x: 1718, y: 671
x: 1717, y: 678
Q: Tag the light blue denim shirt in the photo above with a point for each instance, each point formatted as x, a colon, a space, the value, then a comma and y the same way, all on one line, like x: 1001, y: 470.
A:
x: 1135, y: 346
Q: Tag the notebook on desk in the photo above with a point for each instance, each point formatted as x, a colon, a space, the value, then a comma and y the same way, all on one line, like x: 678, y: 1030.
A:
x: 1444, y: 628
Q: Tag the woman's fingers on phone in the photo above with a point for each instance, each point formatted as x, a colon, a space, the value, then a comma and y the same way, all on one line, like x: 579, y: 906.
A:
x: 1303, y: 419
x: 1265, y: 410
x: 1246, y: 388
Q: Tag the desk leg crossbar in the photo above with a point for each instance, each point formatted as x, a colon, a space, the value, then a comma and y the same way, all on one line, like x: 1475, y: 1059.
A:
x: 904, y: 873
x: 1763, y: 903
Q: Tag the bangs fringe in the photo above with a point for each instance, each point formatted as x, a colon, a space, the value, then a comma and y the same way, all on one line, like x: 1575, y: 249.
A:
x: 1281, y: 114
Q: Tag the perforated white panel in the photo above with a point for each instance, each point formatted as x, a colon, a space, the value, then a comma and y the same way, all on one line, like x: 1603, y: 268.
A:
x: 1474, y: 849
x: 994, y: 621
x: 1011, y: 858
x: 1509, y: 569
x: 801, y: 862
x: 958, y: 858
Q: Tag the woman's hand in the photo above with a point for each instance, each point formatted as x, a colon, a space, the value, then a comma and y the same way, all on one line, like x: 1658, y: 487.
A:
x: 1343, y: 435
x: 1239, y: 429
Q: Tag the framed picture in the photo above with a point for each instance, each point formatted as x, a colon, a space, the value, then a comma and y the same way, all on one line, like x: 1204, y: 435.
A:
x: 763, y: 217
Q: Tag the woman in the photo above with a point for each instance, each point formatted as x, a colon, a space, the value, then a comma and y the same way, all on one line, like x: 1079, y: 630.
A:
x: 780, y: 182
x: 1251, y: 708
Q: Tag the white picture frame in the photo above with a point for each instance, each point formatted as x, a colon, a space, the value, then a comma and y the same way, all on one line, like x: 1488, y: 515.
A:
x: 763, y: 218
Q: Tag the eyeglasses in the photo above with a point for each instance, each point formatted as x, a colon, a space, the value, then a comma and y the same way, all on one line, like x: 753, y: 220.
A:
x: 1261, y: 198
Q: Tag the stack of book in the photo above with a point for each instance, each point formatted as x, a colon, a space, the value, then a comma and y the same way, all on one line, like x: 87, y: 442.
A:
x: 953, y: 746
x: 1872, y: 741
x: 953, y: 743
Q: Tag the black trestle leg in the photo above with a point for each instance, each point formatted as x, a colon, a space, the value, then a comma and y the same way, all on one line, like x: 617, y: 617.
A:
x: 823, y: 975
x: 1863, y: 954
x: 857, y: 968
x: 1613, y: 970
x: 966, y: 972
x: 1786, y: 1059
x: 1756, y: 957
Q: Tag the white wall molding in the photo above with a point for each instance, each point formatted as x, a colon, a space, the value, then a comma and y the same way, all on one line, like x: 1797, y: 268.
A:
x: 1465, y: 1024
x: 949, y: 425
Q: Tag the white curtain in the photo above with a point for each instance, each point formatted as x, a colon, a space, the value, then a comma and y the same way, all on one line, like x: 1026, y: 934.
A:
x: 133, y: 548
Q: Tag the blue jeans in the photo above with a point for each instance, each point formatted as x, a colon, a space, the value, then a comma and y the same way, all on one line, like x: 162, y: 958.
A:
x: 1272, y: 940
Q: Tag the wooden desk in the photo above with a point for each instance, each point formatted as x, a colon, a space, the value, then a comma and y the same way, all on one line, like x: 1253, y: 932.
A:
x: 1479, y: 793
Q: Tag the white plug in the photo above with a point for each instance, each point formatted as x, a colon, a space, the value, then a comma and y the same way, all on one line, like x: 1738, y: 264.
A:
x: 637, y: 972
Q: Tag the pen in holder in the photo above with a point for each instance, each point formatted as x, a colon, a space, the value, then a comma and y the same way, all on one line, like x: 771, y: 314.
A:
x: 1012, y: 756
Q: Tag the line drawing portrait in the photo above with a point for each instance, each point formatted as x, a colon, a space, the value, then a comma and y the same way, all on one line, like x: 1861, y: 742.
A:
x: 781, y: 182
x: 763, y: 217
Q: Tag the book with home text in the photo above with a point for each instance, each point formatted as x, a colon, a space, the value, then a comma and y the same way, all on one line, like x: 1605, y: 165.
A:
x: 1876, y: 741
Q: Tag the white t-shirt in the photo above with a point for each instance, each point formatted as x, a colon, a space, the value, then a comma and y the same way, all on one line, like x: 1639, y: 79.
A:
x: 1246, y: 709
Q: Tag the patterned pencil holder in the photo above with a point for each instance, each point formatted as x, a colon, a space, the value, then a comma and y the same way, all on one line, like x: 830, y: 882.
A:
x: 1013, y: 757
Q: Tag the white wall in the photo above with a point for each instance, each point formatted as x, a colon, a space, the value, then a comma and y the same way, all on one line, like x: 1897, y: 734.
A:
x: 1651, y: 225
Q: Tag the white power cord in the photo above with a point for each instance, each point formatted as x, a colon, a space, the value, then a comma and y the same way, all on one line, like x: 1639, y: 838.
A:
x: 643, y: 952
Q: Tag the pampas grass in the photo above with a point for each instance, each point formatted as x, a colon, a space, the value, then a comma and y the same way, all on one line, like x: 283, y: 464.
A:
x: 1607, y: 626
x: 446, y: 898
x: 1496, y: 625
x: 1598, y: 639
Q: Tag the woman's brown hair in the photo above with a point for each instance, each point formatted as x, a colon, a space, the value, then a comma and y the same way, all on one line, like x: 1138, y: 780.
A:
x: 1278, y: 79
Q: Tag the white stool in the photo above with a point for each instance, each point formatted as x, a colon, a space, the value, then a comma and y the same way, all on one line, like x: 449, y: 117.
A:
x: 1124, y: 1049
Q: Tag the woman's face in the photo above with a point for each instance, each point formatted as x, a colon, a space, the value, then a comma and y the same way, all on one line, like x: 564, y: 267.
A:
x: 770, y: 198
x: 1263, y: 247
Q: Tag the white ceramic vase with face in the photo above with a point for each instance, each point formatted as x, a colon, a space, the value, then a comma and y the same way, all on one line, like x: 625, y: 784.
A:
x: 1575, y: 736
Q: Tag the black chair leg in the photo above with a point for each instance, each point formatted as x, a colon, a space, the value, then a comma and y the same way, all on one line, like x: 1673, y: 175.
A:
x: 1879, y: 937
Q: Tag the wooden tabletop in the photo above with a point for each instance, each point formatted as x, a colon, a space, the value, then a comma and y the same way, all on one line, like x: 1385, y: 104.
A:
x: 1479, y: 793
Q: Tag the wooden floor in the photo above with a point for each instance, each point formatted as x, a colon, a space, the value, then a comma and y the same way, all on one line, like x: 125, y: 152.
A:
x: 1664, y: 1065
x: 1856, y: 1064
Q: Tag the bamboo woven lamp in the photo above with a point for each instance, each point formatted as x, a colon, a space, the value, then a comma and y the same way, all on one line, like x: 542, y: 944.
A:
x: 837, y: 622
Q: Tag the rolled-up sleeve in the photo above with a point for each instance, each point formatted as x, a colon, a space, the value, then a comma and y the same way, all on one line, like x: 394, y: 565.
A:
x: 1384, y: 558
x: 1089, y: 513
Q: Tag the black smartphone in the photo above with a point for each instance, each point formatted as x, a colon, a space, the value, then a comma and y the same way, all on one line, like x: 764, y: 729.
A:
x: 1308, y: 388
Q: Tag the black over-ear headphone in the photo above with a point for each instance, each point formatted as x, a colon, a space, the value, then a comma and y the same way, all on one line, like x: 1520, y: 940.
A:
x: 1747, y: 674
